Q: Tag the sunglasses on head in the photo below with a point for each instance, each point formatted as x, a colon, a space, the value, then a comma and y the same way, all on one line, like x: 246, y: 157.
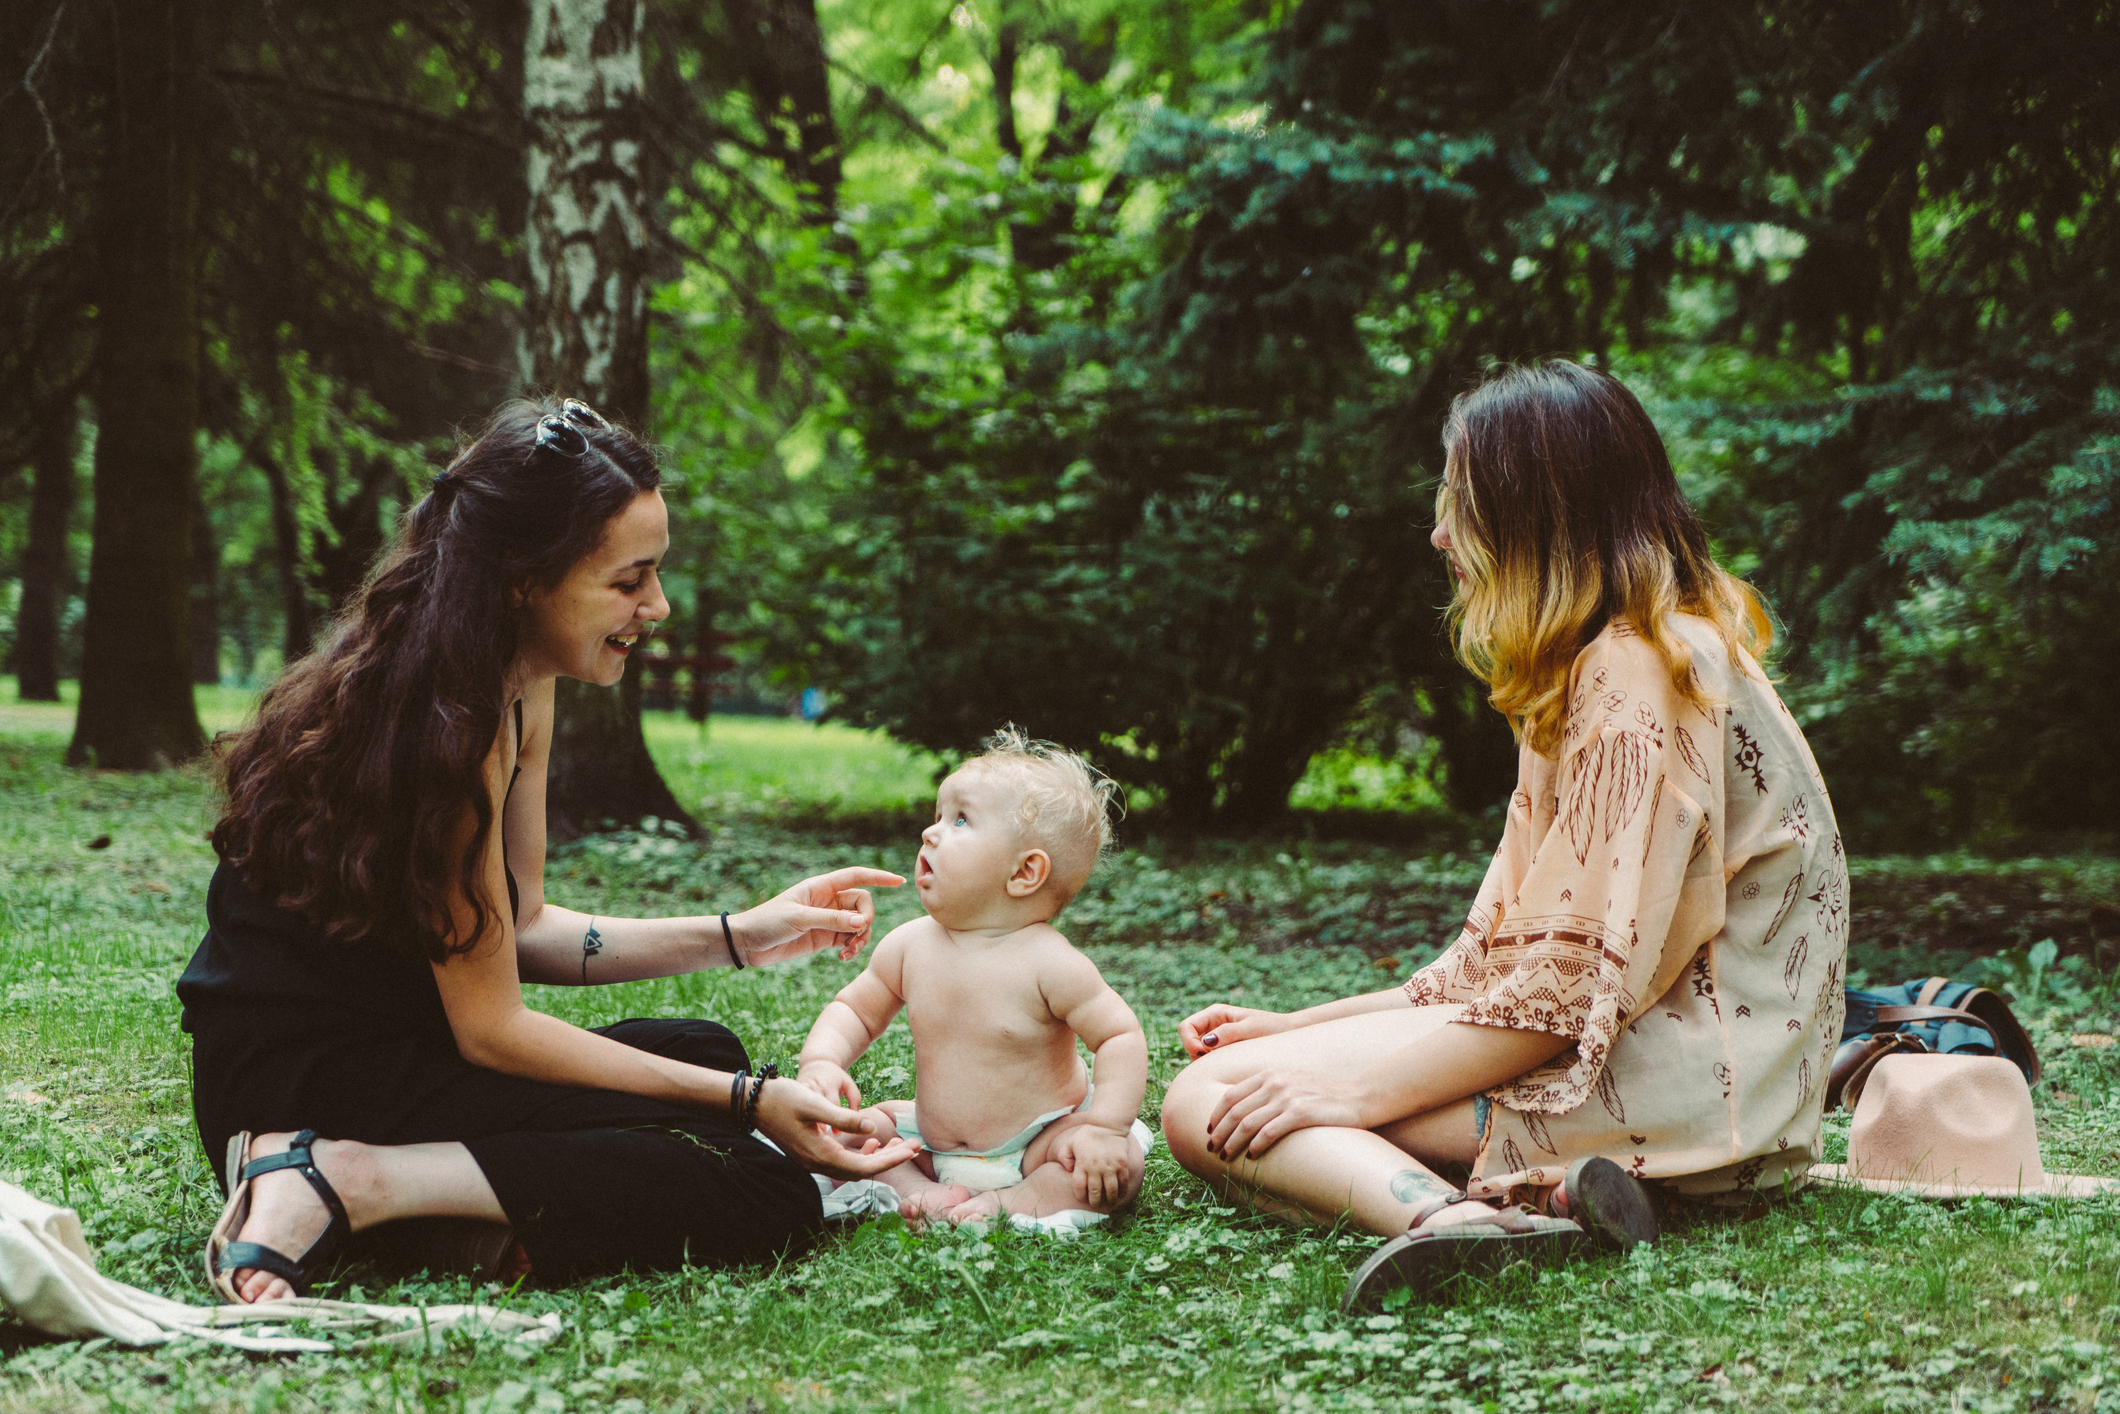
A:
x: 566, y: 431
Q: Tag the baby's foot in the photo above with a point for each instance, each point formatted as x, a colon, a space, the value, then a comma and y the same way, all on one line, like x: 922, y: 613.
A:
x: 984, y: 1208
x: 285, y: 1212
x: 933, y: 1200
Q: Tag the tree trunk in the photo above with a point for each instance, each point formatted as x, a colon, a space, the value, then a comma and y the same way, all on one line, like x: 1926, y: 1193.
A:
x: 137, y: 711
x: 357, y: 522
x: 205, y: 596
x: 297, y: 616
x: 51, y: 506
x: 788, y: 74
x: 586, y: 336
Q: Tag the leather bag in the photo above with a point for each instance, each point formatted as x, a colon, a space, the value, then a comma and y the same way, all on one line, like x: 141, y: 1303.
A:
x: 1931, y: 1014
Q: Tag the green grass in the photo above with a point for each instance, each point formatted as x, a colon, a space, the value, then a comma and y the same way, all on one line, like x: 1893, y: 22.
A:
x: 1827, y: 1301
x: 220, y: 709
x: 772, y: 766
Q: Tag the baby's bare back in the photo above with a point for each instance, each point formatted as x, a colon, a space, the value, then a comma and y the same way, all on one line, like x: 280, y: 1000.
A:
x: 991, y: 1055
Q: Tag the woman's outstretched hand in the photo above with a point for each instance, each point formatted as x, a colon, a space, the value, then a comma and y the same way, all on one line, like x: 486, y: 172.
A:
x: 831, y: 910
x: 790, y: 1112
x: 1259, y: 1111
x: 1222, y: 1024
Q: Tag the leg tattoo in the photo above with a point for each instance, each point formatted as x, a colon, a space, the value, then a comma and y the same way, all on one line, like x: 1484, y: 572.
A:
x: 1411, y: 1186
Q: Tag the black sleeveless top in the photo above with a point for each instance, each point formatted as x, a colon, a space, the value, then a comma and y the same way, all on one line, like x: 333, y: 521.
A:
x: 265, y: 966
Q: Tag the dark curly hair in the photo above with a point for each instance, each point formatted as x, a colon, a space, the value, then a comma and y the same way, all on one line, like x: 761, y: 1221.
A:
x: 346, y: 789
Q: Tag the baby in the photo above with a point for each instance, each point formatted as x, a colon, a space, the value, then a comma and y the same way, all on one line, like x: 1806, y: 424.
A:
x: 1005, y: 1115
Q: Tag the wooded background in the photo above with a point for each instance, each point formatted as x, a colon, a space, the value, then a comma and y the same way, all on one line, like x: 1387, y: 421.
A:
x: 1082, y: 362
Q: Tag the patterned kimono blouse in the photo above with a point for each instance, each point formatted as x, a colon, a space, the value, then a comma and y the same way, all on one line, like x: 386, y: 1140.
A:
x: 1671, y: 895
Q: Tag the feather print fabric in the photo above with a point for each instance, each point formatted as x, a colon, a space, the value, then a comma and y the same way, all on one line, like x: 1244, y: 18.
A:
x: 1670, y: 894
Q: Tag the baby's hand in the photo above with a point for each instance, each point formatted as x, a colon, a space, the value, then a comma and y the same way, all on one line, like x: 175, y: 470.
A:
x: 831, y: 1081
x: 882, y: 1126
x: 1099, y: 1159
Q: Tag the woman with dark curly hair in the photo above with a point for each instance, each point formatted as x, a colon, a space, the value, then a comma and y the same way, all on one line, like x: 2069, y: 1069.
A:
x: 380, y: 902
x: 1648, y: 990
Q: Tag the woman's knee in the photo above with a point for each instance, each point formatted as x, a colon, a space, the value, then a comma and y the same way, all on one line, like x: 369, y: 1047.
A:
x: 1186, y: 1105
x: 687, y: 1039
x: 774, y: 1201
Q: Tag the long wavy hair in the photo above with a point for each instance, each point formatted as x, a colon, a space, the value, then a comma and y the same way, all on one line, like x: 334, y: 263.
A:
x: 348, y: 791
x: 1564, y: 514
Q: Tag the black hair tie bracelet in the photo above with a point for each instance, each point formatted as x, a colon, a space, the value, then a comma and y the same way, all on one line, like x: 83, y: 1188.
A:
x: 728, y: 937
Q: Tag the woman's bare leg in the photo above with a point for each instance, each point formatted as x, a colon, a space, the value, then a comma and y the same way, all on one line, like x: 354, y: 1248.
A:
x: 1325, y: 1174
x: 378, y: 1183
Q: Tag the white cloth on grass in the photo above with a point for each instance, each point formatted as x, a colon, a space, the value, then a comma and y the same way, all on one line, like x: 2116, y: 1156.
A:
x: 871, y: 1198
x: 48, y: 1279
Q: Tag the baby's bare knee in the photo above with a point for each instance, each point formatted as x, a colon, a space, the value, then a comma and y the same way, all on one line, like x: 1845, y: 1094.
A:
x: 1130, y: 1186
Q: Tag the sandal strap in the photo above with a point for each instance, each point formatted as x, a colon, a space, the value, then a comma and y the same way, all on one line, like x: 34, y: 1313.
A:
x: 1433, y: 1206
x: 254, y: 1256
x: 1519, y: 1219
x: 297, y: 1156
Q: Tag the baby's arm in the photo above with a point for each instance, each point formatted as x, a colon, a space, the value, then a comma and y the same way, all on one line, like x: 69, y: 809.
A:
x: 854, y: 1019
x: 1099, y: 1152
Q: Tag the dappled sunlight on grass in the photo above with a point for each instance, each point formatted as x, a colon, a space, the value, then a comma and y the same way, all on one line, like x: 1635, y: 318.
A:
x: 1340, y: 779
x: 220, y: 709
x: 781, y: 765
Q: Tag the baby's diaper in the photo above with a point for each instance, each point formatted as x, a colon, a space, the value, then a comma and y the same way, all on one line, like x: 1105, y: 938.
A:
x: 860, y: 1198
x: 978, y: 1172
x: 987, y: 1169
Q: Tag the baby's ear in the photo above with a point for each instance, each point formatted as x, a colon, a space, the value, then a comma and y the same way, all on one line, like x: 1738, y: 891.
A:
x: 1033, y: 868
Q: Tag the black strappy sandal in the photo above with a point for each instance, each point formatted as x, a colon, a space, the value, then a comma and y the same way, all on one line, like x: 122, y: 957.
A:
x: 225, y: 1256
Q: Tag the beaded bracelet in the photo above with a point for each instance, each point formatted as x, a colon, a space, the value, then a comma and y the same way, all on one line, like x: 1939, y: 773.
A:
x: 768, y: 1071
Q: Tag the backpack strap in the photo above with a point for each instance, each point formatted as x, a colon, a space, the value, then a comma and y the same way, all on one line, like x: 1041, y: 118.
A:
x: 1927, y: 995
x: 1895, y: 1015
x: 1855, y: 1059
x: 2001, y: 1023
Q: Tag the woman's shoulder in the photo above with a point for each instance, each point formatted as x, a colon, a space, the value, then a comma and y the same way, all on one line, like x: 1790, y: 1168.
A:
x: 1619, y: 653
x: 535, y: 709
x: 1623, y: 666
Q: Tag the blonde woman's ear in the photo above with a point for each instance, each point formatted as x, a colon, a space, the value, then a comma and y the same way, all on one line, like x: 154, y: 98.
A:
x: 1032, y: 870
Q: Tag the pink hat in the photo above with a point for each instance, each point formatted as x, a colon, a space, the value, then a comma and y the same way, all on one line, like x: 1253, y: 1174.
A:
x: 1950, y: 1127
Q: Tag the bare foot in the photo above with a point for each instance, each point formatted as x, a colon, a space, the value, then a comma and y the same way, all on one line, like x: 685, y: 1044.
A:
x: 1470, y: 1211
x: 983, y: 1208
x: 285, y: 1212
x: 931, y: 1200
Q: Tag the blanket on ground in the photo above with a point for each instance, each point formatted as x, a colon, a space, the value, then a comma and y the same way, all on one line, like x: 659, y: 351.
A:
x: 48, y: 1278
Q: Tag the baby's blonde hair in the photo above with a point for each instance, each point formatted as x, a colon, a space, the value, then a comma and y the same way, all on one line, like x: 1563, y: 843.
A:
x: 1066, y: 805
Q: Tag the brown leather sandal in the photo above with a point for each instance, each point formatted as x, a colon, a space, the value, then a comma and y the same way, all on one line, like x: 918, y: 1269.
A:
x: 1421, y: 1263
x: 1614, y: 1208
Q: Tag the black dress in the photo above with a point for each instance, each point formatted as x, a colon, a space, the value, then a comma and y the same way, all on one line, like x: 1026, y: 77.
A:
x: 293, y: 1031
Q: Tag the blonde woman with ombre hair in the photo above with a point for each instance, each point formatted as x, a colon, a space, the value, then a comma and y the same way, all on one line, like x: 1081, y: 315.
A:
x: 1648, y: 989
